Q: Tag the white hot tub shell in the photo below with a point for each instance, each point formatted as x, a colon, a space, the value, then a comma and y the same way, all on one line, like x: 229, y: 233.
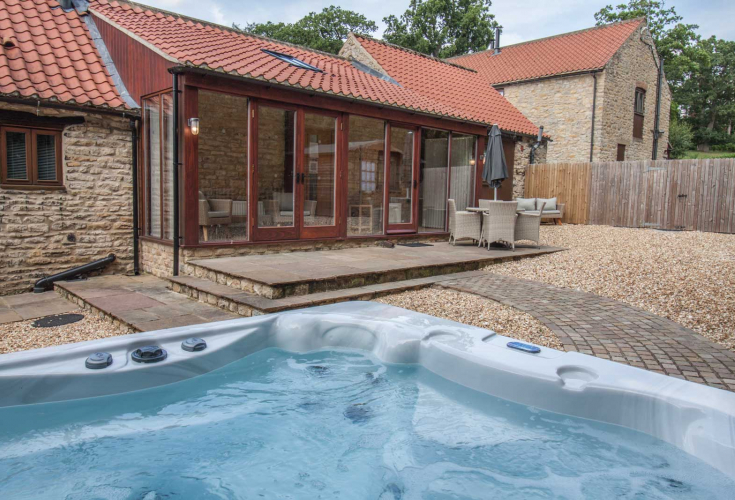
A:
x: 695, y: 418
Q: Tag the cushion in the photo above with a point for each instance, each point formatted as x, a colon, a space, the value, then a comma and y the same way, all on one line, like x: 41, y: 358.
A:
x: 216, y: 214
x: 526, y: 203
x: 546, y: 212
x: 550, y: 203
x: 201, y: 196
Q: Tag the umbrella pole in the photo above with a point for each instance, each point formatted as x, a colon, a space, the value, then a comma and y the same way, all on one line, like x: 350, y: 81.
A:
x: 495, y: 193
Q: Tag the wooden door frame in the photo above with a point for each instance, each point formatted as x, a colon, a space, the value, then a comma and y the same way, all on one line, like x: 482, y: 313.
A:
x: 272, y: 233
x: 401, y: 228
x: 315, y: 232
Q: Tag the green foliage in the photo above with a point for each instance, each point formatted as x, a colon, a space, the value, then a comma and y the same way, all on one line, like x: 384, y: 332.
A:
x: 443, y: 28
x: 325, y: 30
x: 693, y: 155
x: 681, y: 138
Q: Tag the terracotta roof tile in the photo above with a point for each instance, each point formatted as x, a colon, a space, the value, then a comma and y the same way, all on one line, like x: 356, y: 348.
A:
x: 54, y: 56
x: 448, y: 83
x: 574, y: 52
x: 220, y: 49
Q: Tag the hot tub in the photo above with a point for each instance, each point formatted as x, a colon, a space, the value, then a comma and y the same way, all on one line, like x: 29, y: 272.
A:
x: 354, y: 400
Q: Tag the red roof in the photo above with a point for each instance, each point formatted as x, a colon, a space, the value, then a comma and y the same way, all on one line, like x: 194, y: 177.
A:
x: 574, y: 52
x: 445, y: 82
x: 198, y: 44
x: 52, y: 56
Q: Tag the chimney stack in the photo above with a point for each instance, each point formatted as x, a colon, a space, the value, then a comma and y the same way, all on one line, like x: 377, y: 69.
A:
x: 496, y: 41
x: 540, y: 134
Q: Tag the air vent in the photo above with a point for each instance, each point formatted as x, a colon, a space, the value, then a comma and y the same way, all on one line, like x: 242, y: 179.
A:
x: 194, y: 344
x: 8, y: 42
x: 149, y: 354
x: 98, y: 361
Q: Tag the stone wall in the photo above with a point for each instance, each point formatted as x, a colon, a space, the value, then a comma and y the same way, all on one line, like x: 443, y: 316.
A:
x: 521, y: 160
x: 564, y: 107
x: 43, y: 232
x: 634, y: 65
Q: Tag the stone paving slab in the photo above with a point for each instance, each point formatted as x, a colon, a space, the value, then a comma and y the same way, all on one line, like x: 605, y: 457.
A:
x: 300, y: 267
x: 32, y: 305
x: 610, y: 329
x: 144, y: 303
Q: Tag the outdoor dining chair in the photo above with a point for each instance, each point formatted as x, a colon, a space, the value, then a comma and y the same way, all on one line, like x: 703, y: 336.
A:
x: 463, y: 225
x: 528, y: 226
x: 499, y: 222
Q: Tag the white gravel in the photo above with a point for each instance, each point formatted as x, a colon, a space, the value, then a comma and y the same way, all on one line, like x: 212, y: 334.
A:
x: 687, y: 277
x: 476, y: 311
x: 21, y: 336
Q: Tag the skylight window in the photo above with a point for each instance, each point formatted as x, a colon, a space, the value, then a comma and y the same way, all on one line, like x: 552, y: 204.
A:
x: 292, y: 60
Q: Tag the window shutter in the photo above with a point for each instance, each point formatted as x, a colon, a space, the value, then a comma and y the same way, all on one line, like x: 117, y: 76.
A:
x: 46, y: 157
x: 16, y: 156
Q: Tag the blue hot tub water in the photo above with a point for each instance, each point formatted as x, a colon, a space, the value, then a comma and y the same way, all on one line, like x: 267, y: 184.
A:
x: 330, y: 424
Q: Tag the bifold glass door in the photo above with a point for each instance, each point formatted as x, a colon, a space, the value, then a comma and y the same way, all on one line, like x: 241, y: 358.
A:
x: 295, y: 174
x: 402, y: 168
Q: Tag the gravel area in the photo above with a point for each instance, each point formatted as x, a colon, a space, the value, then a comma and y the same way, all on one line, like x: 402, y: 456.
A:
x: 22, y: 336
x: 687, y: 277
x: 476, y: 311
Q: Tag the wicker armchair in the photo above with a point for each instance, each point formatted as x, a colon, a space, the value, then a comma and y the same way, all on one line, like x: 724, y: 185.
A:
x: 499, y: 222
x: 213, y: 213
x: 463, y: 225
x: 528, y: 226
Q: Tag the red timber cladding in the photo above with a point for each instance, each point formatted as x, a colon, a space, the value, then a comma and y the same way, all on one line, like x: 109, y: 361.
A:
x: 141, y: 69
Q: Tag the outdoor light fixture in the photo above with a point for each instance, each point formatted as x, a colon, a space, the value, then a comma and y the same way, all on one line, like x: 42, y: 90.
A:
x: 472, y: 162
x: 194, y: 125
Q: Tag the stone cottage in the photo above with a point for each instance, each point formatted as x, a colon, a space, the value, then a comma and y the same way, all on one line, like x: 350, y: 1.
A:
x: 66, y: 191
x: 598, y: 92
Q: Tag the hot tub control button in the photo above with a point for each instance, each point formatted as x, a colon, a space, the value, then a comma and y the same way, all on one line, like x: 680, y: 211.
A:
x: 149, y: 354
x: 194, y: 344
x: 98, y: 360
x: 522, y: 346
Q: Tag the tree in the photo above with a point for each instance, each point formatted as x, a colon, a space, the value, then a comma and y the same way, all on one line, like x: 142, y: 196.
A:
x: 323, y: 31
x: 681, y: 138
x: 708, y: 92
x: 443, y: 28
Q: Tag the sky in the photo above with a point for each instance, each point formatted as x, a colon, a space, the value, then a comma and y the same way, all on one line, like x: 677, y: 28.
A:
x: 523, y: 23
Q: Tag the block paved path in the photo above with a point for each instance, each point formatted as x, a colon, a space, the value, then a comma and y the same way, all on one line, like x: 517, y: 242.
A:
x: 610, y: 329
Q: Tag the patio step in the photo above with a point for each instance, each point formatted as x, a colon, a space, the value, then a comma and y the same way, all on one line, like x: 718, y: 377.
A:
x: 282, y: 276
x: 249, y: 304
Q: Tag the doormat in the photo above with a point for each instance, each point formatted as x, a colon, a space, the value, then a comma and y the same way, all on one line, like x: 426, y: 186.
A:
x: 58, y: 320
x: 414, y: 245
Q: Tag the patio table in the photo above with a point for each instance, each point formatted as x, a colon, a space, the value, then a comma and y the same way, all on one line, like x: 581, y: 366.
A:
x: 478, y: 209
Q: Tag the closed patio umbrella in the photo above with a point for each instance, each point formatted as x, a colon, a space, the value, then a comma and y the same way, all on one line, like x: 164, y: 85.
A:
x: 495, y: 171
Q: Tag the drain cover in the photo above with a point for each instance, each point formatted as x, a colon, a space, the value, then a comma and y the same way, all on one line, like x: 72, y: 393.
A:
x: 58, y: 320
x: 414, y: 245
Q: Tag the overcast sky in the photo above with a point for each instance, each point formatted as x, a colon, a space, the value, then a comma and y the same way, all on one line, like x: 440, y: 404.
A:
x: 521, y: 21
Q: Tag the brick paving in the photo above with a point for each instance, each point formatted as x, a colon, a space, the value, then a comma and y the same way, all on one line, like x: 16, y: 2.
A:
x: 610, y: 329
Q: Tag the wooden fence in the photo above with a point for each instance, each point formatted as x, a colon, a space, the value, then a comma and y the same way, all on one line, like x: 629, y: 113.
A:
x: 681, y: 194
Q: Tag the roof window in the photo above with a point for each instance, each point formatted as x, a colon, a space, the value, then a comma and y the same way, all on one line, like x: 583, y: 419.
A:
x: 292, y: 60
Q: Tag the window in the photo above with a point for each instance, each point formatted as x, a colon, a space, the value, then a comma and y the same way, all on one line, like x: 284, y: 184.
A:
x: 621, y: 152
x: 158, y: 144
x: 368, y: 178
x: 31, y: 157
x: 292, y: 60
x: 638, y: 115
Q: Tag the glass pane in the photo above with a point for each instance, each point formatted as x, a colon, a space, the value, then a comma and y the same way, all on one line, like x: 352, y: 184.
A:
x: 168, y: 166
x: 433, y: 180
x: 153, y: 166
x: 276, y: 148
x: 320, y: 164
x: 46, y: 157
x: 16, y: 156
x: 401, y: 175
x: 462, y: 184
x: 365, y: 172
x: 223, y: 167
